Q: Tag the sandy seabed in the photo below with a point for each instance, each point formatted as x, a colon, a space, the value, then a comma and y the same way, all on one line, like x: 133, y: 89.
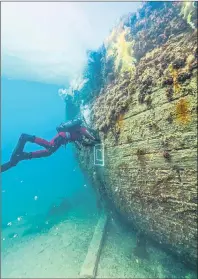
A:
x: 60, y: 252
x: 119, y: 261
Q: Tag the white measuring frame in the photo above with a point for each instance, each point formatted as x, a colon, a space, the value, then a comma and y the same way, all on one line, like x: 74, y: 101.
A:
x: 99, y: 152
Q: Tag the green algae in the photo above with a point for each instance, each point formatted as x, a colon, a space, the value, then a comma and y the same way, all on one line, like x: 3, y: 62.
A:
x: 187, y: 12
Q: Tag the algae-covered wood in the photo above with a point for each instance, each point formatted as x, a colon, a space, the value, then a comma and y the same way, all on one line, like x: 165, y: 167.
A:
x: 147, y: 119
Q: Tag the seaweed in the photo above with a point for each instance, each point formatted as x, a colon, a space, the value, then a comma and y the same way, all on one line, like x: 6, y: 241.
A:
x: 169, y: 94
x: 168, y: 81
x: 170, y: 118
x: 174, y: 74
x: 141, y: 98
x: 140, y: 151
x: 189, y: 13
x: 166, y: 155
x: 184, y: 76
x: 148, y: 101
x: 129, y: 139
x: 179, y: 63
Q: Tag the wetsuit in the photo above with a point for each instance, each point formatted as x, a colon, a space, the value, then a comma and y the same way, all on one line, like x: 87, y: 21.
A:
x: 62, y: 138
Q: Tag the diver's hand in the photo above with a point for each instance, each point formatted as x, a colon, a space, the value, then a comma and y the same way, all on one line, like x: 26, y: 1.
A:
x: 60, y: 128
x: 97, y: 141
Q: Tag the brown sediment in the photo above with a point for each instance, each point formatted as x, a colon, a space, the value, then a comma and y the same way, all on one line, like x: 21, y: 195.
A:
x: 183, y: 111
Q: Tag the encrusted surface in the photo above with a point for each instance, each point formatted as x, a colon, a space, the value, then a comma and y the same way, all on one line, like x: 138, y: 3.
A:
x: 147, y: 118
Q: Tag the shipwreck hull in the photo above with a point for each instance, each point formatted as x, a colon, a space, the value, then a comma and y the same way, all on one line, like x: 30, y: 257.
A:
x: 147, y: 120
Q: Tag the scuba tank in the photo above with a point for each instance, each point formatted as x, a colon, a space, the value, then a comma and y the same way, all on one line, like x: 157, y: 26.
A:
x: 69, y: 125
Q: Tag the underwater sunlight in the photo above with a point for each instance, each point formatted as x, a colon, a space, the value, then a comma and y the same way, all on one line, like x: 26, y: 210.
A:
x: 99, y: 140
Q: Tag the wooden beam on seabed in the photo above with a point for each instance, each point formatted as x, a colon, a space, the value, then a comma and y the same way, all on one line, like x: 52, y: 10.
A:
x: 90, y: 264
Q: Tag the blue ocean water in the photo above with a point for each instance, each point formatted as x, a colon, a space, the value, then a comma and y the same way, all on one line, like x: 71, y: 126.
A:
x: 36, y: 109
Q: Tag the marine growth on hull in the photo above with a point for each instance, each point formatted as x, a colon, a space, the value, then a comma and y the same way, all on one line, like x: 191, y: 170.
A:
x: 140, y: 89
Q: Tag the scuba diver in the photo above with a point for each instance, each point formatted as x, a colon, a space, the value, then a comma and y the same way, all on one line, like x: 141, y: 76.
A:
x: 71, y: 131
